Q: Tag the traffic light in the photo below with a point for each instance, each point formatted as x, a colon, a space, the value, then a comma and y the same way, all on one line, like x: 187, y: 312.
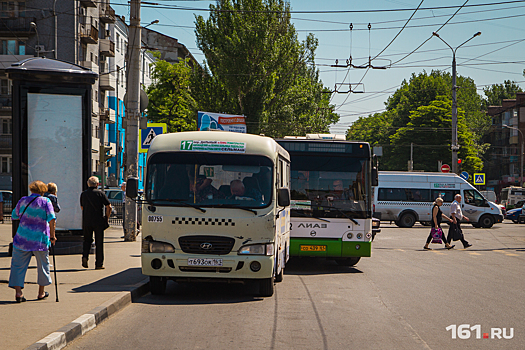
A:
x: 460, y: 162
x: 105, y: 156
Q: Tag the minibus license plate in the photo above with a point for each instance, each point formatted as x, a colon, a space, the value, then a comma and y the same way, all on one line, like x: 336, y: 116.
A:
x: 313, y: 248
x: 204, y: 262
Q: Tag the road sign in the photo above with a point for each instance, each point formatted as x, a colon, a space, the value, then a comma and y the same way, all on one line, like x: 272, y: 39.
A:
x: 445, y: 168
x: 465, y: 175
x: 147, y: 135
x: 479, y: 178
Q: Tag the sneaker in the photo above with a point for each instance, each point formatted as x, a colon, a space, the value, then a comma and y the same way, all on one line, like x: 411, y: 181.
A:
x: 99, y: 267
x: 427, y: 248
x: 85, y: 263
x: 468, y: 245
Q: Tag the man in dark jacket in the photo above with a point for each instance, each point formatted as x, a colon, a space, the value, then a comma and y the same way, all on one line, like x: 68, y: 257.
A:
x: 92, y: 202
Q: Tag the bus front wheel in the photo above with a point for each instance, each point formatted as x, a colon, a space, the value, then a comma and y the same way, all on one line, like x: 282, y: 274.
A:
x: 266, y: 287
x: 157, y: 285
x: 486, y: 221
x: 348, y: 261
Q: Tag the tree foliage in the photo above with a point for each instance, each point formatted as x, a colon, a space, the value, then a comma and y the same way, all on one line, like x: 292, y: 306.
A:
x: 170, y: 97
x: 419, y: 112
x: 495, y: 94
x: 257, y: 67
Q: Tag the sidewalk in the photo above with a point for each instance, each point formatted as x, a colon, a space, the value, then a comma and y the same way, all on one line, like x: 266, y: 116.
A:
x: 80, y: 290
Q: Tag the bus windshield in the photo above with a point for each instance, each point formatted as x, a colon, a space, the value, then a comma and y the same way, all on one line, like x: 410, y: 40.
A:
x: 329, y: 187
x: 209, y: 180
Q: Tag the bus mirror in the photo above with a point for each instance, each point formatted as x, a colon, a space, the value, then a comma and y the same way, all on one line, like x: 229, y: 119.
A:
x: 132, y: 187
x: 283, y: 197
x: 375, y: 177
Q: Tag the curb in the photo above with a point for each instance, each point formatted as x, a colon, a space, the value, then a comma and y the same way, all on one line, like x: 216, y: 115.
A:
x: 59, y: 339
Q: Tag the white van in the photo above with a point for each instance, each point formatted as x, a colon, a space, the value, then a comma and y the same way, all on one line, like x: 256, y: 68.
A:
x: 407, y: 197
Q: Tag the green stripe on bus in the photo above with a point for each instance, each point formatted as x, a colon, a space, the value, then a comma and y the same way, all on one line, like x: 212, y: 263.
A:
x: 335, y: 248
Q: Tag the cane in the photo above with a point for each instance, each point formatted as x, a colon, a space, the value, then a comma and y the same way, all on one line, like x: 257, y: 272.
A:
x: 55, y: 270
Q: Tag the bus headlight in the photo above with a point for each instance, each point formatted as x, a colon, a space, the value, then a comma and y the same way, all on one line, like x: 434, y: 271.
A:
x: 256, y: 249
x: 157, y: 247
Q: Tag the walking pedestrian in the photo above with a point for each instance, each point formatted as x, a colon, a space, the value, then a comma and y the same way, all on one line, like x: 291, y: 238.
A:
x: 92, y: 202
x: 52, y: 195
x: 455, y: 232
x: 35, y: 234
x: 437, y: 216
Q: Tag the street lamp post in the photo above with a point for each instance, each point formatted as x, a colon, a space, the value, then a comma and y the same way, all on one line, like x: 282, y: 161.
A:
x: 37, y: 48
x: 521, y: 154
x: 455, y: 146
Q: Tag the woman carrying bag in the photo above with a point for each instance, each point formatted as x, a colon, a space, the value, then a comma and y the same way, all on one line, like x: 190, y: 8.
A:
x: 437, y: 215
x: 35, y: 234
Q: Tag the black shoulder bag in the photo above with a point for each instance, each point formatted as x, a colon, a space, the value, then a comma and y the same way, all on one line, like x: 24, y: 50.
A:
x: 105, y: 220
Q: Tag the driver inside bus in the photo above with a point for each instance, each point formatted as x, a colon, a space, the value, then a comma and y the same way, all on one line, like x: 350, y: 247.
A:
x: 239, y: 192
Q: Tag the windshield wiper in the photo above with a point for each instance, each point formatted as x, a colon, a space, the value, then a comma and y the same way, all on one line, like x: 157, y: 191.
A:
x: 182, y: 201
x: 313, y: 217
x: 342, y: 212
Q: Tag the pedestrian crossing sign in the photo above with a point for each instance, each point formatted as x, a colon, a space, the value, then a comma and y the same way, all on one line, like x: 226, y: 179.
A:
x: 479, y: 178
x: 147, y: 135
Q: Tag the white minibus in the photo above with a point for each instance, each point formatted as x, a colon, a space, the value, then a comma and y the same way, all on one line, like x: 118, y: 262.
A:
x: 407, y: 197
x: 216, y: 209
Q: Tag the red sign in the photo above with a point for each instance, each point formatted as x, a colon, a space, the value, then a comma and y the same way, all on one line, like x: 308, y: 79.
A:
x: 445, y: 168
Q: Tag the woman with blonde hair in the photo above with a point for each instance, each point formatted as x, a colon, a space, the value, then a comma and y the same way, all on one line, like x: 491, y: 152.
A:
x: 437, y: 215
x: 35, y: 234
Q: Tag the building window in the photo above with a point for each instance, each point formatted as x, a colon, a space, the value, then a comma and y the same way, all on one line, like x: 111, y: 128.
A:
x: 12, y: 9
x: 12, y: 47
x: 7, y: 126
x: 7, y: 164
x: 4, y: 87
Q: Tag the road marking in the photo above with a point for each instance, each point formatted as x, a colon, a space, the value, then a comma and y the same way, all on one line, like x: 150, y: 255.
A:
x: 499, y: 251
x: 401, y: 250
x: 439, y: 253
x: 510, y: 254
x: 472, y: 253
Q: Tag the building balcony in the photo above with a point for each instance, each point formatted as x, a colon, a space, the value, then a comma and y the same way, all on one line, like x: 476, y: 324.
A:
x: 107, y: 47
x: 107, y: 82
x: 513, y: 140
x: 15, y: 26
x: 88, y: 34
x: 6, y: 142
x: 88, y: 3
x: 89, y: 65
x: 107, y: 14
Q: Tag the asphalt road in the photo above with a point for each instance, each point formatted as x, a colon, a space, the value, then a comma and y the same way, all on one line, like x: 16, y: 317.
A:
x: 403, y: 297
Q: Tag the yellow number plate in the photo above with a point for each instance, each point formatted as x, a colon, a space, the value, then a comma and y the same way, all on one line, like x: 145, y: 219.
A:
x: 313, y: 248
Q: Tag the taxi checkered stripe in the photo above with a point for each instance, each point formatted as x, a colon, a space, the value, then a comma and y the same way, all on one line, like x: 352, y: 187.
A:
x: 203, y: 221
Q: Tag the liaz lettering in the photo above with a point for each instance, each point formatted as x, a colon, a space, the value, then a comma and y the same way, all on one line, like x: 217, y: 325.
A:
x: 307, y: 225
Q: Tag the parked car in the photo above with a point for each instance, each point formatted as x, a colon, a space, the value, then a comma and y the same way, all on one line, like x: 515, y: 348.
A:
x: 115, y: 196
x: 376, y: 223
x: 514, y: 214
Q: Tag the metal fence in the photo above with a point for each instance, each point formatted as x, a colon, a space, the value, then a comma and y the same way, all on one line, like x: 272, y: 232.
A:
x: 114, y: 220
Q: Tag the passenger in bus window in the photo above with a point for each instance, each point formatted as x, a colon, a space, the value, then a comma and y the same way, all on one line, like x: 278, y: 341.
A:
x: 240, y: 192
x: 339, y: 192
x: 203, y: 189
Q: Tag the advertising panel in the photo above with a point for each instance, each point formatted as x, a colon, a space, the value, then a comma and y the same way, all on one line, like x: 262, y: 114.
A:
x: 218, y: 121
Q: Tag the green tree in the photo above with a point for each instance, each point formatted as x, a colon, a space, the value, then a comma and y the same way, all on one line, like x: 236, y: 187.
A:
x: 427, y: 130
x: 495, y: 94
x: 258, y: 68
x: 373, y: 129
x: 170, y: 96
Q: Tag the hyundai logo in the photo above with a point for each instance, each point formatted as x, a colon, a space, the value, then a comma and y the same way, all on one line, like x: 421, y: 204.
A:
x: 206, y: 246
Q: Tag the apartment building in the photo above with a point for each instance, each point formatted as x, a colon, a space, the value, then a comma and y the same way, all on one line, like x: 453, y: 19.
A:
x: 88, y: 33
x: 502, y: 161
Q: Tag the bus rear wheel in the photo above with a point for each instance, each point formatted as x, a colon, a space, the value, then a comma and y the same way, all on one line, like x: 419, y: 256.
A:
x: 157, y: 285
x: 348, y: 261
x: 407, y: 220
x: 266, y: 287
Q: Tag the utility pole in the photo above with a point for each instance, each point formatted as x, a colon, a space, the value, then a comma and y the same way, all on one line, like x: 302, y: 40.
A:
x: 132, y: 113
x: 455, y: 145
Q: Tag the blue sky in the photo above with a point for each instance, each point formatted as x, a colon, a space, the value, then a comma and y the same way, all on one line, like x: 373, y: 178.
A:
x: 497, y: 55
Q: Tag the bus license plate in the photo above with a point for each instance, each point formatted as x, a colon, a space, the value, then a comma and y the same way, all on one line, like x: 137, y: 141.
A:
x: 204, y: 262
x: 313, y: 248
